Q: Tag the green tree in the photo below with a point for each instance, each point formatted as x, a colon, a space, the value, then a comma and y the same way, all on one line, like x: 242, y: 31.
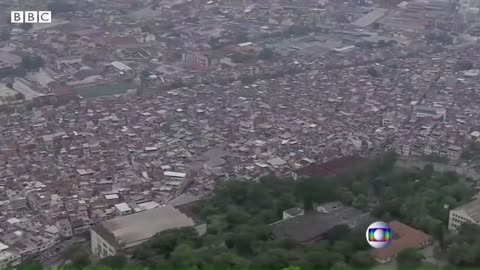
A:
x: 362, y: 259
x: 183, y: 256
x: 273, y: 258
x: 215, y: 43
x: 116, y: 261
x: 313, y: 190
x: 80, y: 259
x: 165, y: 242
x: 229, y: 260
x: 240, y: 241
x: 30, y: 264
x: 266, y: 54
x: 360, y: 201
x: 409, y: 259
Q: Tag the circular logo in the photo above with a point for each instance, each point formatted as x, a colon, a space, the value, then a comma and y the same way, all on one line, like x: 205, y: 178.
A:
x: 379, y: 234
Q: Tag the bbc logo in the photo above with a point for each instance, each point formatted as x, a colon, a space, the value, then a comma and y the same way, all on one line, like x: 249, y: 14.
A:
x: 30, y: 17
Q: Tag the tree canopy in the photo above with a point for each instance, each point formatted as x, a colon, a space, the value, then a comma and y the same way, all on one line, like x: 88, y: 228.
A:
x: 463, y: 249
x: 409, y: 259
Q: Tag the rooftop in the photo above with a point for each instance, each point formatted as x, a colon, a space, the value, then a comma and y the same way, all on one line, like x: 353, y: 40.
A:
x: 371, y: 17
x: 294, y: 211
x: 5, y: 91
x: 404, y: 237
x: 331, y: 168
x: 132, y: 230
x: 472, y: 209
x: 305, y: 228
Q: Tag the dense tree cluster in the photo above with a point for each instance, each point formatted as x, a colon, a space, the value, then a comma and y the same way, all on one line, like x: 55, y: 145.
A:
x: 463, y: 249
x: 32, y: 62
x: 472, y: 152
x: 420, y: 198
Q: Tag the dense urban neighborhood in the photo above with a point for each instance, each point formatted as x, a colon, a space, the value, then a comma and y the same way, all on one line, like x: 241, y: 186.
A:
x: 240, y: 133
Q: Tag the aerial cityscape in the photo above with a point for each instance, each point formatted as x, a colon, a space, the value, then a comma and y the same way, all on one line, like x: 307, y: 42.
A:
x: 240, y: 134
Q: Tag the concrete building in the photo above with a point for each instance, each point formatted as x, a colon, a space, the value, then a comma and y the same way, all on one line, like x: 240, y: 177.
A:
x: 9, y: 257
x: 469, y: 212
x: 112, y: 236
x: 65, y: 227
x: 123, y: 209
x: 291, y: 213
x: 197, y: 60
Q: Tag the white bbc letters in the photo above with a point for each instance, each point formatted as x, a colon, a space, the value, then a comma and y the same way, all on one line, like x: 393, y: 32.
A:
x: 30, y: 17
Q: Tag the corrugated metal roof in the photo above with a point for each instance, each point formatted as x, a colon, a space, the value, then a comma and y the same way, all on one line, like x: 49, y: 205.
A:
x: 371, y: 17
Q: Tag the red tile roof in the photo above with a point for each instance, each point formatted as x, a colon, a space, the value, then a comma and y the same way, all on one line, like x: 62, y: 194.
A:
x: 404, y: 237
x: 333, y: 167
x: 64, y: 90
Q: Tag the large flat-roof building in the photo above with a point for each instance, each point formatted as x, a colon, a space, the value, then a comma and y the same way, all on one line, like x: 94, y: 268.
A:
x: 112, y: 236
x: 371, y: 17
x: 468, y: 213
x: 404, y: 237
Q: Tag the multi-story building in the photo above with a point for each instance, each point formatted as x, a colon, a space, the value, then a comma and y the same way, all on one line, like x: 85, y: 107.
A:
x: 468, y: 213
x: 112, y: 236
x: 197, y: 60
x: 65, y: 227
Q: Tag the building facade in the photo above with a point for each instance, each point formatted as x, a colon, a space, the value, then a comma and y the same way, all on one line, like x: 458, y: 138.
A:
x: 112, y: 236
x: 468, y: 213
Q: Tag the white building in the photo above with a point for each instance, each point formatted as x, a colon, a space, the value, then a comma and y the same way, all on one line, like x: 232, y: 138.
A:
x: 291, y: 213
x: 112, y: 236
x: 427, y: 111
x: 121, y: 66
x: 123, y: 209
x: 468, y: 213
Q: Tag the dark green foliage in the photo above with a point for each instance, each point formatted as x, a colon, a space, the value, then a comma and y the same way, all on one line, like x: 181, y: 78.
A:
x: 240, y: 57
x: 463, y: 250
x: 77, y: 257
x: 30, y: 63
x: 117, y: 261
x: 30, y: 264
x: 472, y: 152
x: 409, y: 259
x: 313, y: 190
x: 266, y: 54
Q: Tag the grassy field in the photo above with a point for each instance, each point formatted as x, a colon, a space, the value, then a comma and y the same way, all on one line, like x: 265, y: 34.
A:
x: 106, y: 90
